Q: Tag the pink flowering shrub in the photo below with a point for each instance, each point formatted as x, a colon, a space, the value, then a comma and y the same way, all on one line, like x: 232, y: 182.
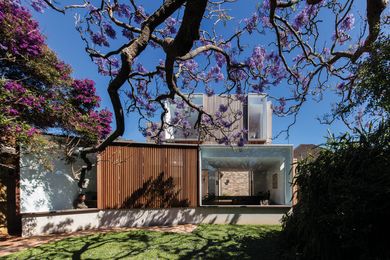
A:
x: 37, y: 92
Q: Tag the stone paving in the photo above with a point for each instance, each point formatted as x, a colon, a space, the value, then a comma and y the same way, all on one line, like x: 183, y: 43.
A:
x: 9, y: 244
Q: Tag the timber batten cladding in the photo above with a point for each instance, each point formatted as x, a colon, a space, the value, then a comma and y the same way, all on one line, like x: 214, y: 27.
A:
x: 133, y: 175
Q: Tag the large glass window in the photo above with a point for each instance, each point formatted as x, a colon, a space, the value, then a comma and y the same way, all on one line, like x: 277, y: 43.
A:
x: 256, y: 115
x: 251, y: 175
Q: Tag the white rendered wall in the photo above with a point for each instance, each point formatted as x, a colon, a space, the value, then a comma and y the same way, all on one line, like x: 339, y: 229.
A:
x: 276, y: 194
x: 43, y: 190
x: 65, y: 222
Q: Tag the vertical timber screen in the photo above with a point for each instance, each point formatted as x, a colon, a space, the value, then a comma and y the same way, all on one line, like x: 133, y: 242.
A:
x: 147, y: 176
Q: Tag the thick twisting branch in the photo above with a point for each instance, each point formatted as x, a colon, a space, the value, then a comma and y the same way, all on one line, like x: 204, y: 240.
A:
x: 128, y: 55
x: 180, y: 46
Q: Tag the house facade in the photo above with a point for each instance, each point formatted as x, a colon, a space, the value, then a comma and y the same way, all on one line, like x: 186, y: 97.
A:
x: 257, y: 173
x: 179, y: 181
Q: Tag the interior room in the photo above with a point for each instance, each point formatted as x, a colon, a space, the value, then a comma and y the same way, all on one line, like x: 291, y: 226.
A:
x: 263, y: 178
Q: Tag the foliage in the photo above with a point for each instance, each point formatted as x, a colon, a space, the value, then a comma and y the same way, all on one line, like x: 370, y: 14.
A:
x: 366, y: 98
x: 206, y: 242
x: 343, y: 205
x: 37, y: 92
x: 373, y: 77
x: 201, y: 47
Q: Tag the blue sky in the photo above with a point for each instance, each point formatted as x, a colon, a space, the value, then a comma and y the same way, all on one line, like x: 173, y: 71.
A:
x: 65, y: 41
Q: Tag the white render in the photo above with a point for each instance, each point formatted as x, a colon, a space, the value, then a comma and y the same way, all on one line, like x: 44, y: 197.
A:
x: 43, y: 189
x: 71, y: 221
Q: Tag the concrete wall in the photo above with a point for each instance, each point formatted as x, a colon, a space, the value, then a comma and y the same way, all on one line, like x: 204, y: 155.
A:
x: 40, y: 224
x: 43, y: 190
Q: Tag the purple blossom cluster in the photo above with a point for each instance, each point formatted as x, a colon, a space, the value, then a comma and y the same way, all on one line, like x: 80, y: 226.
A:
x: 170, y: 27
x: 251, y: 23
x: 141, y: 68
x: 238, y: 74
x: 104, y: 123
x: 107, y: 67
x: 191, y: 65
x: 258, y: 88
x: 265, y: 66
x: 84, y: 94
x: 215, y: 74
x: 222, y: 108
x: 140, y: 15
x: 127, y: 34
x: 341, y: 37
x: 23, y: 39
x: 209, y: 91
x: 109, y: 31
x: 99, y: 39
x: 58, y: 101
x: 256, y: 61
x: 347, y: 23
x: 123, y: 10
x: 220, y: 59
x: 301, y: 19
x: 13, y: 86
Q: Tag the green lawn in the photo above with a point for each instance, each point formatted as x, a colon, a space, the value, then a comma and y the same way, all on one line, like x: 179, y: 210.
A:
x: 206, y: 242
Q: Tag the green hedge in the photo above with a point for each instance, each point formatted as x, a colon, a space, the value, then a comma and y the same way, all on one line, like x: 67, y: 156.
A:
x: 344, y: 201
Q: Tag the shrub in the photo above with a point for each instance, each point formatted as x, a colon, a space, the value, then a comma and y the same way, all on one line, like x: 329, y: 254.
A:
x: 344, y: 201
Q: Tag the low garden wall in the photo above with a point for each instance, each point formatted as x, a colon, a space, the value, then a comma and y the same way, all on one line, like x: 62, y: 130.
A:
x: 71, y: 221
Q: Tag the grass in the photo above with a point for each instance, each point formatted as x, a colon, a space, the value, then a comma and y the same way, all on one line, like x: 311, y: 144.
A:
x: 206, y: 242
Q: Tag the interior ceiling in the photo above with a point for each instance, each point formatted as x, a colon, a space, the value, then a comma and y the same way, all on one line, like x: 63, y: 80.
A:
x: 244, y: 163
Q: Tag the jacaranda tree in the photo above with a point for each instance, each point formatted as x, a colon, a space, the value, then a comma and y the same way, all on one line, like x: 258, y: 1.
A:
x: 198, y: 46
x: 37, y: 92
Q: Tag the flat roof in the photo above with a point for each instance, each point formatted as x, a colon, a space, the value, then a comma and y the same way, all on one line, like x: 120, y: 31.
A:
x: 133, y: 143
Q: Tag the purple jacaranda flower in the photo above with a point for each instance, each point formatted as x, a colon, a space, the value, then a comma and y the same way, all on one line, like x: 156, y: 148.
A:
x: 123, y: 10
x: 226, y: 123
x: 340, y: 86
x: 170, y: 27
x: 141, y: 68
x: 191, y: 65
x: 220, y: 59
x: 222, y: 108
x: 109, y: 31
x: 347, y: 23
x: 282, y: 101
x: 258, y: 88
x: 251, y: 23
x: 140, y: 15
x: 209, y: 91
x: 216, y: 74
x: 301, y: 19
x: 342, y: 37
x: 128, y: 34
x: 99, y: 39
x: 257, y: 58
x: 241, y: 142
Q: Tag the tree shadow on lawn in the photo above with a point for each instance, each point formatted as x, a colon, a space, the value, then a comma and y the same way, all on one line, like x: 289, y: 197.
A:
x: 207, y: 242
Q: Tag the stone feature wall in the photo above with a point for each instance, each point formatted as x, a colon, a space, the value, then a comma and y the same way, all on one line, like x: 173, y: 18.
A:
x: 234, y: 183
